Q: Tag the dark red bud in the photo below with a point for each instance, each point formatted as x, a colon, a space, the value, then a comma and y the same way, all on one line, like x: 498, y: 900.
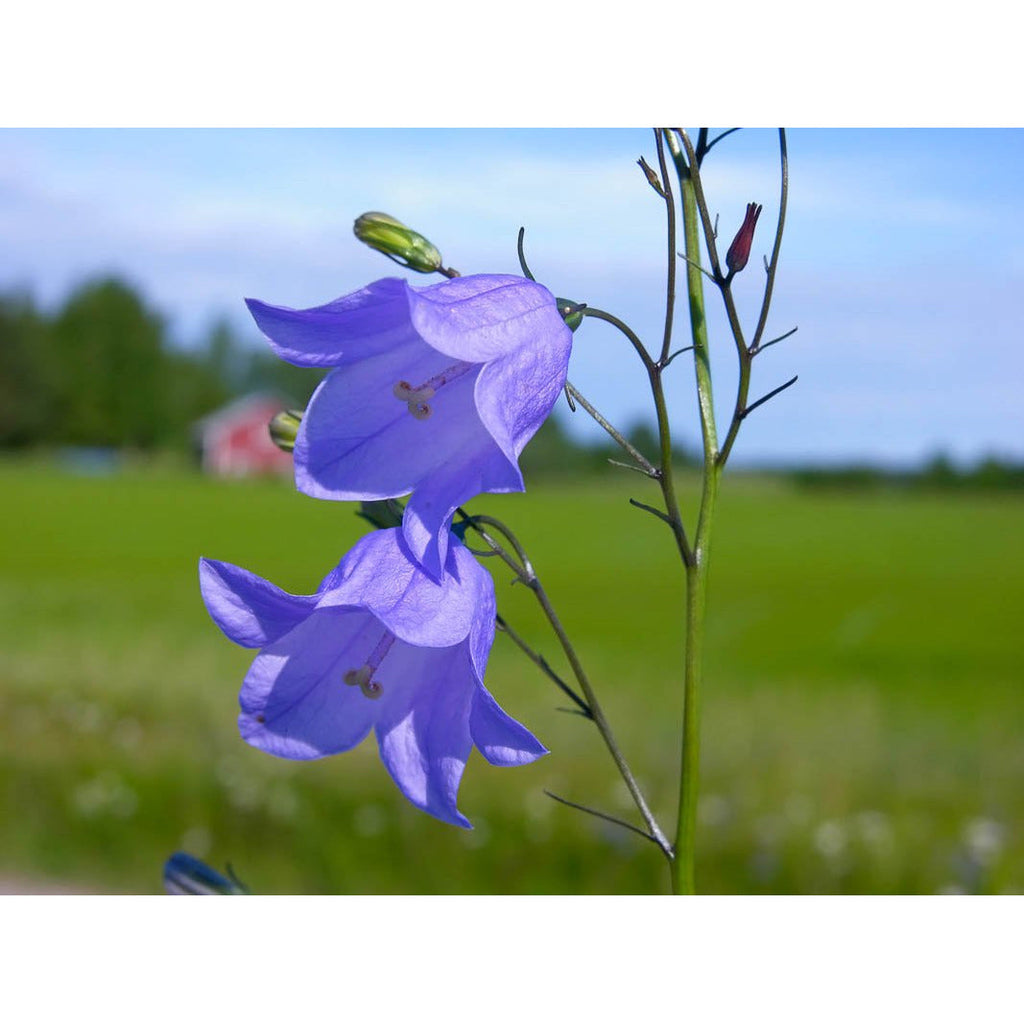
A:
x: 739, y: 252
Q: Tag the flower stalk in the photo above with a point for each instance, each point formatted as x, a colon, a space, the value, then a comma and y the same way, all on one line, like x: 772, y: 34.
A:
x: 696, y: 215
x: 683, y: 881
x: 525, y: 573
x: 396, y: 638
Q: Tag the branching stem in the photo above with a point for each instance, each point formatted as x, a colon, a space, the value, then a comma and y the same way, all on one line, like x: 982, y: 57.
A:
x: 641, y: 351
x: 670, y: 216
x: 525, y: 573
x: 601, y: 815
x: 697, y: 569
x: 642, y: 462
x: 541, y: 662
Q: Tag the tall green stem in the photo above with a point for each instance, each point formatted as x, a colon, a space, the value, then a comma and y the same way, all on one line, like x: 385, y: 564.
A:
x: 697, y: 569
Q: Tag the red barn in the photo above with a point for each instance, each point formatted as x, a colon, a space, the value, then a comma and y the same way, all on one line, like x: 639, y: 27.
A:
x: 234, y: 440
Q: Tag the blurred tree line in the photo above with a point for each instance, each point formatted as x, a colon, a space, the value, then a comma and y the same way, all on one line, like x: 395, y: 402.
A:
x: 101, y: 371
x: 937, y: 473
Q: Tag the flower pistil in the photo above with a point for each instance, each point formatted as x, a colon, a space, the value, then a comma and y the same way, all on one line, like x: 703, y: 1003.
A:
x: 418, y: 398
x: 363, y: 676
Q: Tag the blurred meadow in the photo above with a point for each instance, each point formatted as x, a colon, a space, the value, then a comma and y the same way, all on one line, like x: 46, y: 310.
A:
x: 862, y: 718
x: 863, y: 710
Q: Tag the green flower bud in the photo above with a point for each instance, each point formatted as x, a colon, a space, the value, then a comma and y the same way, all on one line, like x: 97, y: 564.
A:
x: 284, y: 427
x: 397, y: 242
x: 572, y: 312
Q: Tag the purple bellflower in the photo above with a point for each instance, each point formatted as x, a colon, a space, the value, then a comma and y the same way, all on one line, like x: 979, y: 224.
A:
x: 379, y: 646
x: 435, y: 392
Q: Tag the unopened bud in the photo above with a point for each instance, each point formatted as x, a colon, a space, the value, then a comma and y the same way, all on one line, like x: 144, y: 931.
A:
x: 739, y: 252
x: 185, y: 875
x: 652, y: 177
x: 571, y: 312
x: 396, y: 241
x: 284, y: 428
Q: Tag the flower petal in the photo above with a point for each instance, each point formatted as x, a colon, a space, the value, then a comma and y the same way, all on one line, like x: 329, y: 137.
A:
x: 499, y: 737
x: 368, y: 322
x: 380, y: 574
x: 295, y: 702
x: 463, y: 566
x: 483, y: 316
x: 358, y: 442
x: 423, y: 734
x: 428, y: 514
x: 515, y: 394
x: 247, y: 608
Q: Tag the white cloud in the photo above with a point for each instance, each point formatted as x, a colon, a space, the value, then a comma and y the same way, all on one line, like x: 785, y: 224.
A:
x: 905, y: 288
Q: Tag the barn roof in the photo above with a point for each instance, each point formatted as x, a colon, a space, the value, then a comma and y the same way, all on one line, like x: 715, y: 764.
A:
x: 240, y: 407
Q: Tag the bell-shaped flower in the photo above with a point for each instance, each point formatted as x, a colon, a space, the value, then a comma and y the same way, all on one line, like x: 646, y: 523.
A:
x: 435, y: 393
x: 379, y: 646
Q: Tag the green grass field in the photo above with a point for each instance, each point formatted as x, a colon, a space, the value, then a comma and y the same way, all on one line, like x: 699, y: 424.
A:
x: 863, y: 713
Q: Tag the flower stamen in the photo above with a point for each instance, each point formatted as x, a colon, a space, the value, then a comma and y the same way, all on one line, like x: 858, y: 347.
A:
x: 363, y: 676
x: 418, y: 398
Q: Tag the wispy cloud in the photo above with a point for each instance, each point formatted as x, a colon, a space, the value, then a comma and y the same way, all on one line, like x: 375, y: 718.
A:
x: 905, y: 281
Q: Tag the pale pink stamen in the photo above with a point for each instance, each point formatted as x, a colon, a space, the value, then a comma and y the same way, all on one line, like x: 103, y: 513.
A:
x: 418, y: 398
x: 363, y: 676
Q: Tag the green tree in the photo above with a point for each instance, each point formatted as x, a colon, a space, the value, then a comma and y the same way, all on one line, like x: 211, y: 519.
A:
x: 112, y: 368
x: 26, y: 373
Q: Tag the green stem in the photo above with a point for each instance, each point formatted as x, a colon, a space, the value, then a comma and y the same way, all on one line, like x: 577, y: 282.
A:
x: 697, y: 568
x: 666, y: 474
x: 642, y: 464
x: 696, y: 606
x: 528, y: 577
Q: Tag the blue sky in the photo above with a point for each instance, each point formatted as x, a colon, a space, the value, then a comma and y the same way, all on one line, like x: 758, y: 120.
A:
x: 902, y: 264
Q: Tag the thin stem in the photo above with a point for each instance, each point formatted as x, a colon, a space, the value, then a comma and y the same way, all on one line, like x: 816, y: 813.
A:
x: 600, y: 314
x: 601, y: 815
x: 631, y: 467
x: 695, y: 290
x: 697, y: 569
x: 701, y: 207
x: 678, y: 352
x: 599, y: 719
x: 724, y: 282
x: 522, y: 255
x: 704, y: 147
x: 711, y: 277
x: 774, y: 341
x: 741, y: 409
x: 670, y: 215
x: 696, y: 608
x: 523, y: 572
x: 774, y: 263
x: 644, y: 465
x: 766, y: 398
x: 526, y: 575
x: 656, y: 512
x: 666, y: 474
x: 541, y: 662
